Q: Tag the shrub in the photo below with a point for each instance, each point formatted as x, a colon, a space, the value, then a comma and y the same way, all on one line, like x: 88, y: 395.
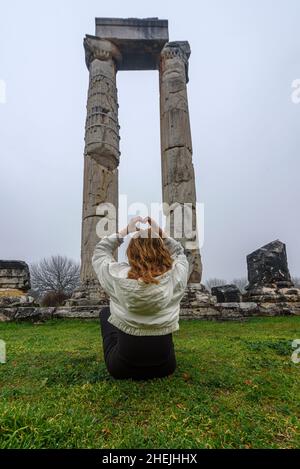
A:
x: 53, y: 298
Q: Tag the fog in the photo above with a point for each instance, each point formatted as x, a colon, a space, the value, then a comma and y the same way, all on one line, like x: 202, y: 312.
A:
x: 245, y: 126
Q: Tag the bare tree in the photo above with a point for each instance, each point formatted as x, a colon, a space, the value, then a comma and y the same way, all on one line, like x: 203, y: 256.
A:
x: 241, y: 283
x: 56, y: 274
x: 214, y: 282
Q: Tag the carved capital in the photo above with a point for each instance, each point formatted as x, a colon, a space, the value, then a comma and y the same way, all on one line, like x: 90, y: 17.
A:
x: 101, y: 49
x: 177, y: 49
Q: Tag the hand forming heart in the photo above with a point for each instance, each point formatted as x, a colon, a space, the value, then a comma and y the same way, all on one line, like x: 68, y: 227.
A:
x: 149, y: 222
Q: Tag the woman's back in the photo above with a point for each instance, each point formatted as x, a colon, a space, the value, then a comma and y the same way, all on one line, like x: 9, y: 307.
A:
x: 144, y: 305
x: 140, y: 308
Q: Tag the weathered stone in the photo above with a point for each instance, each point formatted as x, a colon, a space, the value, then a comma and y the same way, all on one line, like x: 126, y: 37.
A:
x: 102, y: 127
x: 20, y: 300
x: 196, y: 304
x: 3, y: 318
x: 77, y: 312
x: 100, y: 183
x: 279, y: 309
x: 195, y: 294
x: 268, y: 267
x: 14, y: 275
x: 88, y: 293
x: 131, y: 44
x: 139, y: 40
x: 270, y: 284
x: 226, y: 293
x: 241, y: 306
x: 14, y: 284
x: 20, y: 313
x: 275, y: 301
x: 178, y: 178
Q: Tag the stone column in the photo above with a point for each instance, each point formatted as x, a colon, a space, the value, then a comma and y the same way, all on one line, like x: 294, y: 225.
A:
x: 101, y: 157
x: 178, y: 179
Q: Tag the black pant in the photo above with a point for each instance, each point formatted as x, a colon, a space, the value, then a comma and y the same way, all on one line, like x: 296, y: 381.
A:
x: 136, y: 357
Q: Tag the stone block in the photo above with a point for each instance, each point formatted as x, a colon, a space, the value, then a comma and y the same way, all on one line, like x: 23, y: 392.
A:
x: 226, y: 293
x: 140, y: 40
x: 14, y: 275
x: 268, y: 267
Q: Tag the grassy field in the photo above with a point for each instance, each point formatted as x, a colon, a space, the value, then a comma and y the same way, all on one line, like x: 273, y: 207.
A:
x: 235, y: 387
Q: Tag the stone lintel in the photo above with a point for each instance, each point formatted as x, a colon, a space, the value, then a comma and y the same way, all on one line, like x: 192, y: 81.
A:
x: 140, y: 40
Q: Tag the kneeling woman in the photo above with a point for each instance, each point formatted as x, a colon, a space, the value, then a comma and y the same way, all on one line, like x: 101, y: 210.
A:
x: 144, y: 302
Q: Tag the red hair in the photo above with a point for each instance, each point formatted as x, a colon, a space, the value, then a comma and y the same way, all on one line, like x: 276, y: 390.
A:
x: 148, y: 256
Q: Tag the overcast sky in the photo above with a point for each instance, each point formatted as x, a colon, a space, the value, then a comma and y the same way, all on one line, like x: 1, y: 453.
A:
x: 245, y: 127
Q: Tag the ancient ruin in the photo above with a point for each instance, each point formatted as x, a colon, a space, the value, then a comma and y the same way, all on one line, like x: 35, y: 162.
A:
x: 133, y: 44
x: 14, y: 286
x: 227, y: 293
x: 143, y: 44
x: 270, y: 284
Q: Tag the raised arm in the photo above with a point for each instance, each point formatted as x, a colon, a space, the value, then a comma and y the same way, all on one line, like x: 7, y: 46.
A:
x: 181, y: 267
x: 103, y: 255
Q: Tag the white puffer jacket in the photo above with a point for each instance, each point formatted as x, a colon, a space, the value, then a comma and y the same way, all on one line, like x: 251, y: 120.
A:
x: 138, y: 308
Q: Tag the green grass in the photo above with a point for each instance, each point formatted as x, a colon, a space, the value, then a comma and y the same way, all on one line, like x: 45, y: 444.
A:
x: 235, y: 387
